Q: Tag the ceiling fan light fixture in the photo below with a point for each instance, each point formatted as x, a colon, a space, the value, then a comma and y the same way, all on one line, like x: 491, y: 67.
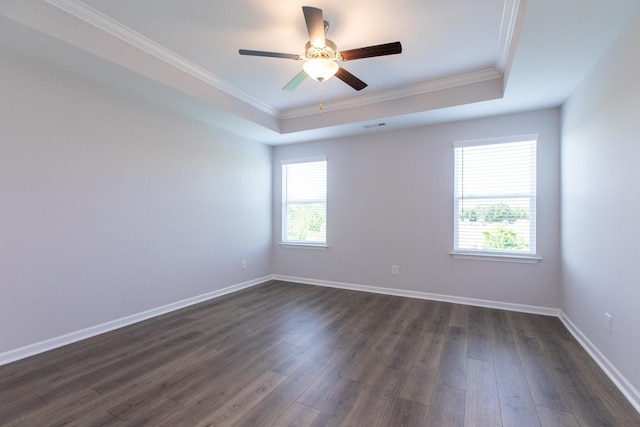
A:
x: 320, y: 69
x: 321, y: 55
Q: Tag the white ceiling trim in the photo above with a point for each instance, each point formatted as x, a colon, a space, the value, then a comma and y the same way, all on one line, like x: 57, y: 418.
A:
x: 96, y: 18
x: 391, y: 94
x: 512, y: 18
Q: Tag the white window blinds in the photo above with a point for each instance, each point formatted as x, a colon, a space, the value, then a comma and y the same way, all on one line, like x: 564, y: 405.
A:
x: 495, y: 196
x: 304, y: 202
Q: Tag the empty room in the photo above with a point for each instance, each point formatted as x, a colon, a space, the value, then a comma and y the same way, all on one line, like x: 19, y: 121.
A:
x: 392, y: 213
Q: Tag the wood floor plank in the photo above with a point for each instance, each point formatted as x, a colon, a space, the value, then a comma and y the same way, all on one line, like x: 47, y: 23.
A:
x: 14, y: 408
x: 92, y: 418
x: 550, y: 329
x: 90, y: 348
x: 540, y: 377
x: 563, y: 363
x: 236, y: 353
x: 136, y: 395
x: 331, y: 333
x: 283, y: 318
x: 404, y: 352
x: 214, y: 390
x: 370, y: 366
x: 341, y: 403
x: 279, y: 318
x: 314, y: 331
x: 621, y: 422
x: 453, y: 364
x: 590, y: 412
x: 139, y: 367
x: 298, y: 357
x: 521, y: 324
x: 78, y: 407
x: 459, y: 316
x: 321, y: 390
x: 153, y: 412
x: 230, y: 412
x: 479, y: 345
x: 297, y: 415
x: 408, y: 414
x: 76, y: 380
x: 447, y: 407
x: 391, y: 310
x: 516, y: 403
x: 351, y: 326
x: 554, y: 418
x: 499, y: 328
x: 376, y: 407
x: 482, y: 407
x: 439, y: 321
x: 423, y: 374
x: 272, y: 407
x: 579, y: 376
x: 29, y: 378
x: 599, y: 384
x: 420, y: 313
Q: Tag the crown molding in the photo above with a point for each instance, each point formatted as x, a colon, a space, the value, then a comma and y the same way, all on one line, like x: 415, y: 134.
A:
x: 391, y: 94
x: 512, y: 15
x: 99, y: 20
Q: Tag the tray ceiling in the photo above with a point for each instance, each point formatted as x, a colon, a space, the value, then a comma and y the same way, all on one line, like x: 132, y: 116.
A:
x: 456, y: 54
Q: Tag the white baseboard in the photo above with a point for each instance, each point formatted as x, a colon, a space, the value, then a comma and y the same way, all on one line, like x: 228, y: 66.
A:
x: 50, y: 344
x: 532, y: 309
x: 628, y: 390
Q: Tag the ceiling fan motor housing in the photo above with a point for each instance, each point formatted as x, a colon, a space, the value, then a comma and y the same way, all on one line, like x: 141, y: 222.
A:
x: 326, y: 52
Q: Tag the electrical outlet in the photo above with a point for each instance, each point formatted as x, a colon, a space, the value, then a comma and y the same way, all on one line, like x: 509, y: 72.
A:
x: 394, y: 269
x: 243, y: 264
x: 607, y: 323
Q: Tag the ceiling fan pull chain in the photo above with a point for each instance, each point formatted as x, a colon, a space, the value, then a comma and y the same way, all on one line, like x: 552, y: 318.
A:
x: 320, y: 107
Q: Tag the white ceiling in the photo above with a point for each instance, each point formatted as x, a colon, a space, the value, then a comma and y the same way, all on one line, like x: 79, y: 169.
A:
x: 460, y: 59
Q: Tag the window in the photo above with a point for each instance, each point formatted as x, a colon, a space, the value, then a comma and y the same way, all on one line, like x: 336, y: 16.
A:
x: 304, y: 202
x: 495, y: 197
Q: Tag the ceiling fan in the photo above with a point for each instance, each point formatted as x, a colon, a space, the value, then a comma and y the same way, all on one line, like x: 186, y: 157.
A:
x: 321, y: 54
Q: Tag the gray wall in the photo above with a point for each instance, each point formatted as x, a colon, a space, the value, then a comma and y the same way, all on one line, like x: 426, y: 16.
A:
x: 390, y: 201
x: 109, y: 207
x: 601, y: 205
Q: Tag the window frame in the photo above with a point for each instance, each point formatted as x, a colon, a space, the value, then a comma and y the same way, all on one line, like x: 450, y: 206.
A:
x: 284, y: 203
x: 487, y: 254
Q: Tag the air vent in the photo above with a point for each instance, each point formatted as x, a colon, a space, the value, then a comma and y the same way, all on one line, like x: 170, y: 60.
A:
x: 375, y: 125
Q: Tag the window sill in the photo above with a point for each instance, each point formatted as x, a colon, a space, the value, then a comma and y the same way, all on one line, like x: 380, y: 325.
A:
x: 524, y: 259
x: 316, y: 246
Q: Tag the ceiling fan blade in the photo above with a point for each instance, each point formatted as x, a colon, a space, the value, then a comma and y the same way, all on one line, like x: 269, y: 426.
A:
x: 350, y: 79
x: 315, y: 25
x: 299, y: 78
x: 270, y: 54
x: 371, y: 51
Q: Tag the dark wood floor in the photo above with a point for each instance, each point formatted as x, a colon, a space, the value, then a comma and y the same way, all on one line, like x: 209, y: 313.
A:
x: 283, y: 354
